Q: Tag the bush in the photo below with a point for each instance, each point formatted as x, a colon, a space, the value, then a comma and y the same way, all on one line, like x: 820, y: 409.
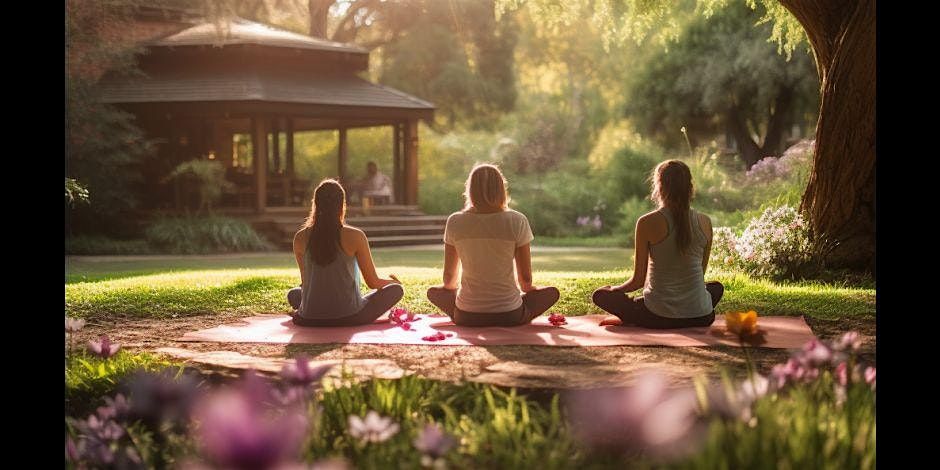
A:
x: 99, y: 245
x: 631, y: 211
x: 199, y: 235
x: 775, y: 245
x: 555, y: 202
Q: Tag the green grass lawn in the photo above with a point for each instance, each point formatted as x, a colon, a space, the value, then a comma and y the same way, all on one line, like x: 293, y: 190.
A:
x: 166, y: 287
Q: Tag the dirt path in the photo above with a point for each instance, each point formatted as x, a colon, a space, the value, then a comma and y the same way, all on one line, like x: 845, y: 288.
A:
x: 519, y: 366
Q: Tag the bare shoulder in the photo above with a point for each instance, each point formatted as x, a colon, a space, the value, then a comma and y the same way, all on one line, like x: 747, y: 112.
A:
x: 651, y: 219
x: 352, y: 233
x: 302, y: 235
x: 704, y: 220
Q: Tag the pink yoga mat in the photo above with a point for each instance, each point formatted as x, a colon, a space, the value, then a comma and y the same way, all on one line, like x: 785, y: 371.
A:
x: 781, y: 332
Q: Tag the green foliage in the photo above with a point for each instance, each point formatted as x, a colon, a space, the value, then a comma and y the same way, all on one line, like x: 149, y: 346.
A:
x: 445, y: 161
x: 198, y: 235
x: 658, y: 21
x: 722, y: 75
x: 98, y: 245
x: 105, y: 147
x: 807, y: 427
x: 456, y: 55
x: 497, y: 428
x: 75, y: 192
x: 630, y: 211
x: 208, y: 177
x: 88, y: 378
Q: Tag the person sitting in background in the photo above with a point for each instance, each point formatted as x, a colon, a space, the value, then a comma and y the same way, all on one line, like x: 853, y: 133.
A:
x: 376, y: 186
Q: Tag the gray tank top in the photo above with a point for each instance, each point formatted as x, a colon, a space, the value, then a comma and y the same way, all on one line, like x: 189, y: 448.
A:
x: 675, y: 284
x: 330, y: 291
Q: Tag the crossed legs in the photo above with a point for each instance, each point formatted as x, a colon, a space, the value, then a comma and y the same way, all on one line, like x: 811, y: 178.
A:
x: 632, y: 311
x: 534, y: 303
x: 377, y: 303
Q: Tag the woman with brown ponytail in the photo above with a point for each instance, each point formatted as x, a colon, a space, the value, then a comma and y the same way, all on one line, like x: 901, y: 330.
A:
x: 673, y: 244
x: 331, y: 256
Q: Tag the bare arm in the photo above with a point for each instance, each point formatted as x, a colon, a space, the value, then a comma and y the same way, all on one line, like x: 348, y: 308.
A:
x: 366, y: 265
x: 300, y: 246
x: 706, y: 224
x: 451, y: 266
x: 640, y: 259
x: 524, y: 268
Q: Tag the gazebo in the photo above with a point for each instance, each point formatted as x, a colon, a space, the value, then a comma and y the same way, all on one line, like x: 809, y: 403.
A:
x: 203, y: 86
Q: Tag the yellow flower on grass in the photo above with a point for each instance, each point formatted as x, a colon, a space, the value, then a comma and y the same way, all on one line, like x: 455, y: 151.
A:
x: 742, y: 323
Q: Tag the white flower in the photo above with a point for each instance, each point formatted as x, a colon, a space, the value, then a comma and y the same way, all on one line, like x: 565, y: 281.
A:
x: 74, y: 324
x: 373, y: 429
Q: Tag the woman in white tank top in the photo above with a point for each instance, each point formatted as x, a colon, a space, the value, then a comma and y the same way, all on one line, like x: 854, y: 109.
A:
x: 673, y: 244
x: 486, y: 249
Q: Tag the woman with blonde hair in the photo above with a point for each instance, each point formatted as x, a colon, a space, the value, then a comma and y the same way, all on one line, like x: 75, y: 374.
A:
x: 672, y: 247
x: 331, y: 255
x: 488, y: 243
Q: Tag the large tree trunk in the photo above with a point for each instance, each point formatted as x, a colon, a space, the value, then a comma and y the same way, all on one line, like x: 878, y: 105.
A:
x: 783, y: 107
x: 750, y: 151
x: 840, y: 198
x: 319, y: 12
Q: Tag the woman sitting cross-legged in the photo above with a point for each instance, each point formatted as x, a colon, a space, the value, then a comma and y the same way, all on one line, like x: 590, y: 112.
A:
x: 491, y: 243
x: 673, y: 244
x: 330, y: 255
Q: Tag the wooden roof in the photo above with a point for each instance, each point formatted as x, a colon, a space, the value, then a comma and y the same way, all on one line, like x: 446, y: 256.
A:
x: 240, y: 31
x: 255, y: 67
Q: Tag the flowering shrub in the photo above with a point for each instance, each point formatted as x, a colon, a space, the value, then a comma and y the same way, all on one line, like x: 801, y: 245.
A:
x: 795, y: 159
x: 775, y: 245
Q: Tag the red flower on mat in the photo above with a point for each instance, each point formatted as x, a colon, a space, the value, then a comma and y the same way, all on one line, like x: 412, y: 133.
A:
x: 437, y: 336
x: 557, y: 319
x: 402, y: 317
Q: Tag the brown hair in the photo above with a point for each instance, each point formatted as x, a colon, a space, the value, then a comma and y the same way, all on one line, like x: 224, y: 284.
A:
x: 485, y: 188
x: 327, y: 215
x: 672, y: 189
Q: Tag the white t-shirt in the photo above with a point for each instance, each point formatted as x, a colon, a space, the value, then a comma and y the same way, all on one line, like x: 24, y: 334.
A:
x: 486, y: 245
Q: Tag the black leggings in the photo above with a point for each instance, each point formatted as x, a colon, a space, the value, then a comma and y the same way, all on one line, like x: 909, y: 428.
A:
x: 377, y: 303
x: 632, y: 311
x: 534, y: 303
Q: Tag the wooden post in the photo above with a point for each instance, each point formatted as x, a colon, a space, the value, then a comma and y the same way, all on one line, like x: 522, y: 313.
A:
x: 276, y: 144
x: 342, y: 157
x: 411, y: 162
x: 289, y: 161
x: 259, y: 160
x: 396, y: 164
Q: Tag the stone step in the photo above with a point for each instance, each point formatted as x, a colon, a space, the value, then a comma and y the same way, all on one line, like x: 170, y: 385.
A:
x: 406, y: 240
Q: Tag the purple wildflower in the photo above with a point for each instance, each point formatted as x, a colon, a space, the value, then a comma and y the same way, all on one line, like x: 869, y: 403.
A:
x: 116, y: 408
x: 103, y: 348
x: 157, y: 398
x: 433, y: 441
x: 300, y: 373
x: 815, y: 354
x: 237, y: 431
x: 850, y: 341
x: 645, y: 416
x: 373, y: 428
x: 597, y: 222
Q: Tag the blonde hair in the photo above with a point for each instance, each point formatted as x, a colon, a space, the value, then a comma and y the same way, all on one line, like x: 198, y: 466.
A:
x: 485, y: 188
